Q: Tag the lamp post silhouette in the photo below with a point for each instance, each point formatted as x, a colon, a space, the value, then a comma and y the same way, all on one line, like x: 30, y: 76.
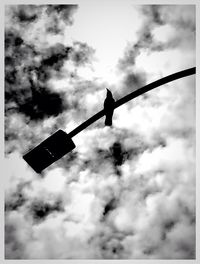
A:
x: 60, y: 143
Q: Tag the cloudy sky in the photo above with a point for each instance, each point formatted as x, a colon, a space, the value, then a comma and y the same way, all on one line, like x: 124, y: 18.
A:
x: 126, y: 191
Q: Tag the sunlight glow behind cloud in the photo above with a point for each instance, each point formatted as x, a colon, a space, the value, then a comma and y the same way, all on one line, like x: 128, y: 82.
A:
x: 116, y: 23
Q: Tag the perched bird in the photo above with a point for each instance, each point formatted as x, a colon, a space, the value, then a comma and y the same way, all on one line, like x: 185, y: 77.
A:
x: 109, y: 108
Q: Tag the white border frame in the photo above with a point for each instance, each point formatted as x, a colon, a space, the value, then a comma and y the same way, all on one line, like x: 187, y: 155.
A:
x: 2, y: 184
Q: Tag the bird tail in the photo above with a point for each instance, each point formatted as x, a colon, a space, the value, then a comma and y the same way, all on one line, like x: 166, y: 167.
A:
x: 108, y: 121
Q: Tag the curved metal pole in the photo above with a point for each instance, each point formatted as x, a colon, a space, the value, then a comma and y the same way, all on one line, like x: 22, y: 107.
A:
x: 125, y: 99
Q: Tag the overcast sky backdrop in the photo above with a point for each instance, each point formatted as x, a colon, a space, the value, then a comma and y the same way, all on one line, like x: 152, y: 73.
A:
x: 126, y: 192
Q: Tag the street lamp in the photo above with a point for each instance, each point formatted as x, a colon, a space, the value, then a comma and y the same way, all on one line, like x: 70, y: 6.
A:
x: 60, y: 143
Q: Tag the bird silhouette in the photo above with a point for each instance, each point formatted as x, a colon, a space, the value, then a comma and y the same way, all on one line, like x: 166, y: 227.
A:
x: 109, y: 108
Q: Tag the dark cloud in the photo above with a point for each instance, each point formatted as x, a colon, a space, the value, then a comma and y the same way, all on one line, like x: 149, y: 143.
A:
x: 12, y: 39
x: 133, y: 81
x: 16, y: 50
x: 110, y: 243
x: 43, y: 103
x: 112, y: 249
x: 26, y: 13
x: 180, y: 16
x: 115, y: 156
x: 13, y: 248
x: 130, y: 54
x: 149, y: 251
x: 55, y: 56
x: 58, y: 14
x: 28, y: 71
x: 15, y: 201
x: 153, y: 12
x: 36, y: 103
x: 65, y: 12
x: 32, y: 98
x: 118, y: 156
x: 168, y: 226
x: 109, y: 207
x: 122, y: 148
x: 117, y: 153
x: 40, y: 209
x: 101, y: 157
x: 82, y: 53
x: 68, y: 160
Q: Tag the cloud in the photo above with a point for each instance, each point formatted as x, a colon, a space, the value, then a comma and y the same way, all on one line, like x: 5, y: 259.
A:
x: 29, y: 70
x: 29, y: 97
x: 126, y: 192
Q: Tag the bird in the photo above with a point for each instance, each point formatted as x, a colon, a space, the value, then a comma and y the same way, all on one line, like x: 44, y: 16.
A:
x: 109, y: 108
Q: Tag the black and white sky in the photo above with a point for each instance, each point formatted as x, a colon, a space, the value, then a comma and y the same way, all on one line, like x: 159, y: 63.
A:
x: 126, y: 191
